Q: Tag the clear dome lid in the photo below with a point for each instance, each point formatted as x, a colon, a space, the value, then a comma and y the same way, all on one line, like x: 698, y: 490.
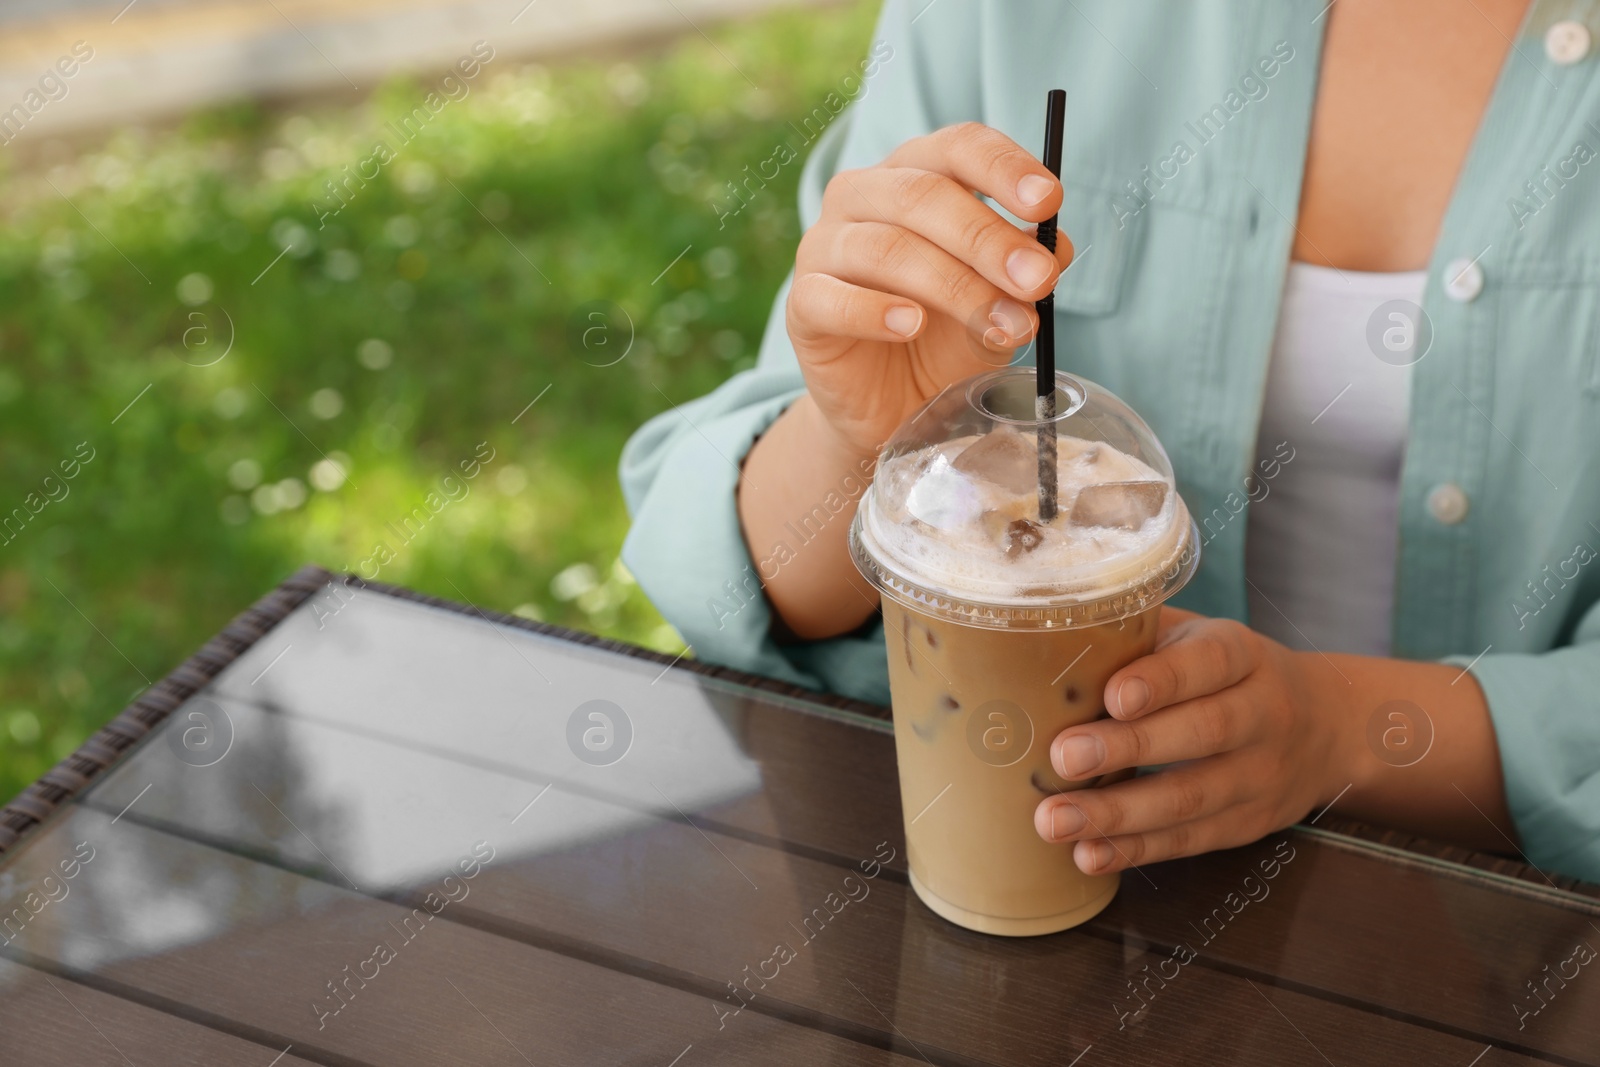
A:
x: 952, y: 522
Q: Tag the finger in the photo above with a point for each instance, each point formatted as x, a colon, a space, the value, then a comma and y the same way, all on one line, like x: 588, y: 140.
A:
x: 822, y: 306
x: 1191, y: 730
x: 940, y: 210
x: 1141, y: 805
x: 1175, y: 624
x: 1199, y: 658
x: 1065, y: 252
x: 894, y: 260
x: 985, y: 160
x: 1171, y: 617
x: 1107, y: 855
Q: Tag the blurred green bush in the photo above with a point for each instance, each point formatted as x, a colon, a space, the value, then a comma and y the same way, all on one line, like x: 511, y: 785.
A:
x: 395, y: 339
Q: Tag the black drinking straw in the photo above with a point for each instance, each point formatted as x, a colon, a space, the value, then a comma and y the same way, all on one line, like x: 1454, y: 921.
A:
x: 1044, y: 359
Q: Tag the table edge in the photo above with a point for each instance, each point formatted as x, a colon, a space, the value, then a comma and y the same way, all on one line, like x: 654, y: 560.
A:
x: 111, y: 742
x: 106, y: 746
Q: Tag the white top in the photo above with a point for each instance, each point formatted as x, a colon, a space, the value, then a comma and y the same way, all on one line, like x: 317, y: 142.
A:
x: 1323, y: 522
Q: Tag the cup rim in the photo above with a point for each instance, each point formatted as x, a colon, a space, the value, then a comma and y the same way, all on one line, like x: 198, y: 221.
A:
x: 1062, y: 610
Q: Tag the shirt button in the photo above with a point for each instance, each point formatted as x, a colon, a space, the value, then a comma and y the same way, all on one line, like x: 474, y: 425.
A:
x: 1463, y: 280
x: 1448, y: 503
x: 1567, y: 42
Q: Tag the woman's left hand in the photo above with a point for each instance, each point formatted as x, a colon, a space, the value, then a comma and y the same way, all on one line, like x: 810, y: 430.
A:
x: 1250, y: 731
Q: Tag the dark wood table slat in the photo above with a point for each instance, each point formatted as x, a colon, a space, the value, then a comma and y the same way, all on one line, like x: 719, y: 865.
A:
x: 828, y: 789
x: 281, y: 954
x: 650, y: 890
x: 48, y: 1019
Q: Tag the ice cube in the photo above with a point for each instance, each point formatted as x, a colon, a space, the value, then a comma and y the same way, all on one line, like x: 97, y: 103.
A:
x: 943, y: 497
x: 994, y: 525
x: 999, y: 523
x: 1122, y: 504
x: 1005, y: 457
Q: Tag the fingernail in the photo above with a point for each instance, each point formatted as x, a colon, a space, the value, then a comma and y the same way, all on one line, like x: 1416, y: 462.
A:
x: 1090, y: 856
x: 1132, y: 696
x: 1029, y: 267
x: 1067, y: 820
x: 903, y: 320
x: 1033, y: 188
x: 1079, y: 755
x: 1011, y: 317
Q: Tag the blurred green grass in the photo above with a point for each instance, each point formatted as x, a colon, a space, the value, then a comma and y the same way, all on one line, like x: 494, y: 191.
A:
x: 447, y: 294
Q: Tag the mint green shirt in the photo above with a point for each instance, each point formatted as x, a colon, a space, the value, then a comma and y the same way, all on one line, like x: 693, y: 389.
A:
x: 1186, y: 134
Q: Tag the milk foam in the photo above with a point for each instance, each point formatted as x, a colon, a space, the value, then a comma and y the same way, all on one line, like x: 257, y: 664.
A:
x: 943, y: 527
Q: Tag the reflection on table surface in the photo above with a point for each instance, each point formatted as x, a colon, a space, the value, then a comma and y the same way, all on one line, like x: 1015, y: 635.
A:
x: 390, y: 833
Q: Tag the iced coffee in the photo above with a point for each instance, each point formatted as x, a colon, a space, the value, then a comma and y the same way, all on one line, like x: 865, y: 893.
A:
x: 1003, y: 629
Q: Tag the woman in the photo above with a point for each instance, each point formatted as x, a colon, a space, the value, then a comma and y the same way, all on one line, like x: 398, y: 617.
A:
x: 1258, y: 199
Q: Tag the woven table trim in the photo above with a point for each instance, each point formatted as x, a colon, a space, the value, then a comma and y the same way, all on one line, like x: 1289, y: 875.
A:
x: 111, y: 742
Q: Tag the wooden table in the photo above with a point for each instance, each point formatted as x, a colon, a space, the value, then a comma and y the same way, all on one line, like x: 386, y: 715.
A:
x: 364, y: 827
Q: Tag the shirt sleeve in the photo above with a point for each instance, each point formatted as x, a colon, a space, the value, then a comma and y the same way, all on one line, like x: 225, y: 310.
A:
x: 680, y: 470
x: 1546, y: 719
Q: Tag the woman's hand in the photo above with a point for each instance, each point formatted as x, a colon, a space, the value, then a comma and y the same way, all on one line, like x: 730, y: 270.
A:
x: 907, y: 282
x: 1256, y: 736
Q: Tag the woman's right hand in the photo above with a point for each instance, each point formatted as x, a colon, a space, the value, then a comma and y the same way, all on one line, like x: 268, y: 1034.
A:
x: 907, y: 282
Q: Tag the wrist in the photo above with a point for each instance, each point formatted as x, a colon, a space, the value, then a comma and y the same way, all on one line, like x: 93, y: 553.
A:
x: 834, y: 448
x: 1336, y: 696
